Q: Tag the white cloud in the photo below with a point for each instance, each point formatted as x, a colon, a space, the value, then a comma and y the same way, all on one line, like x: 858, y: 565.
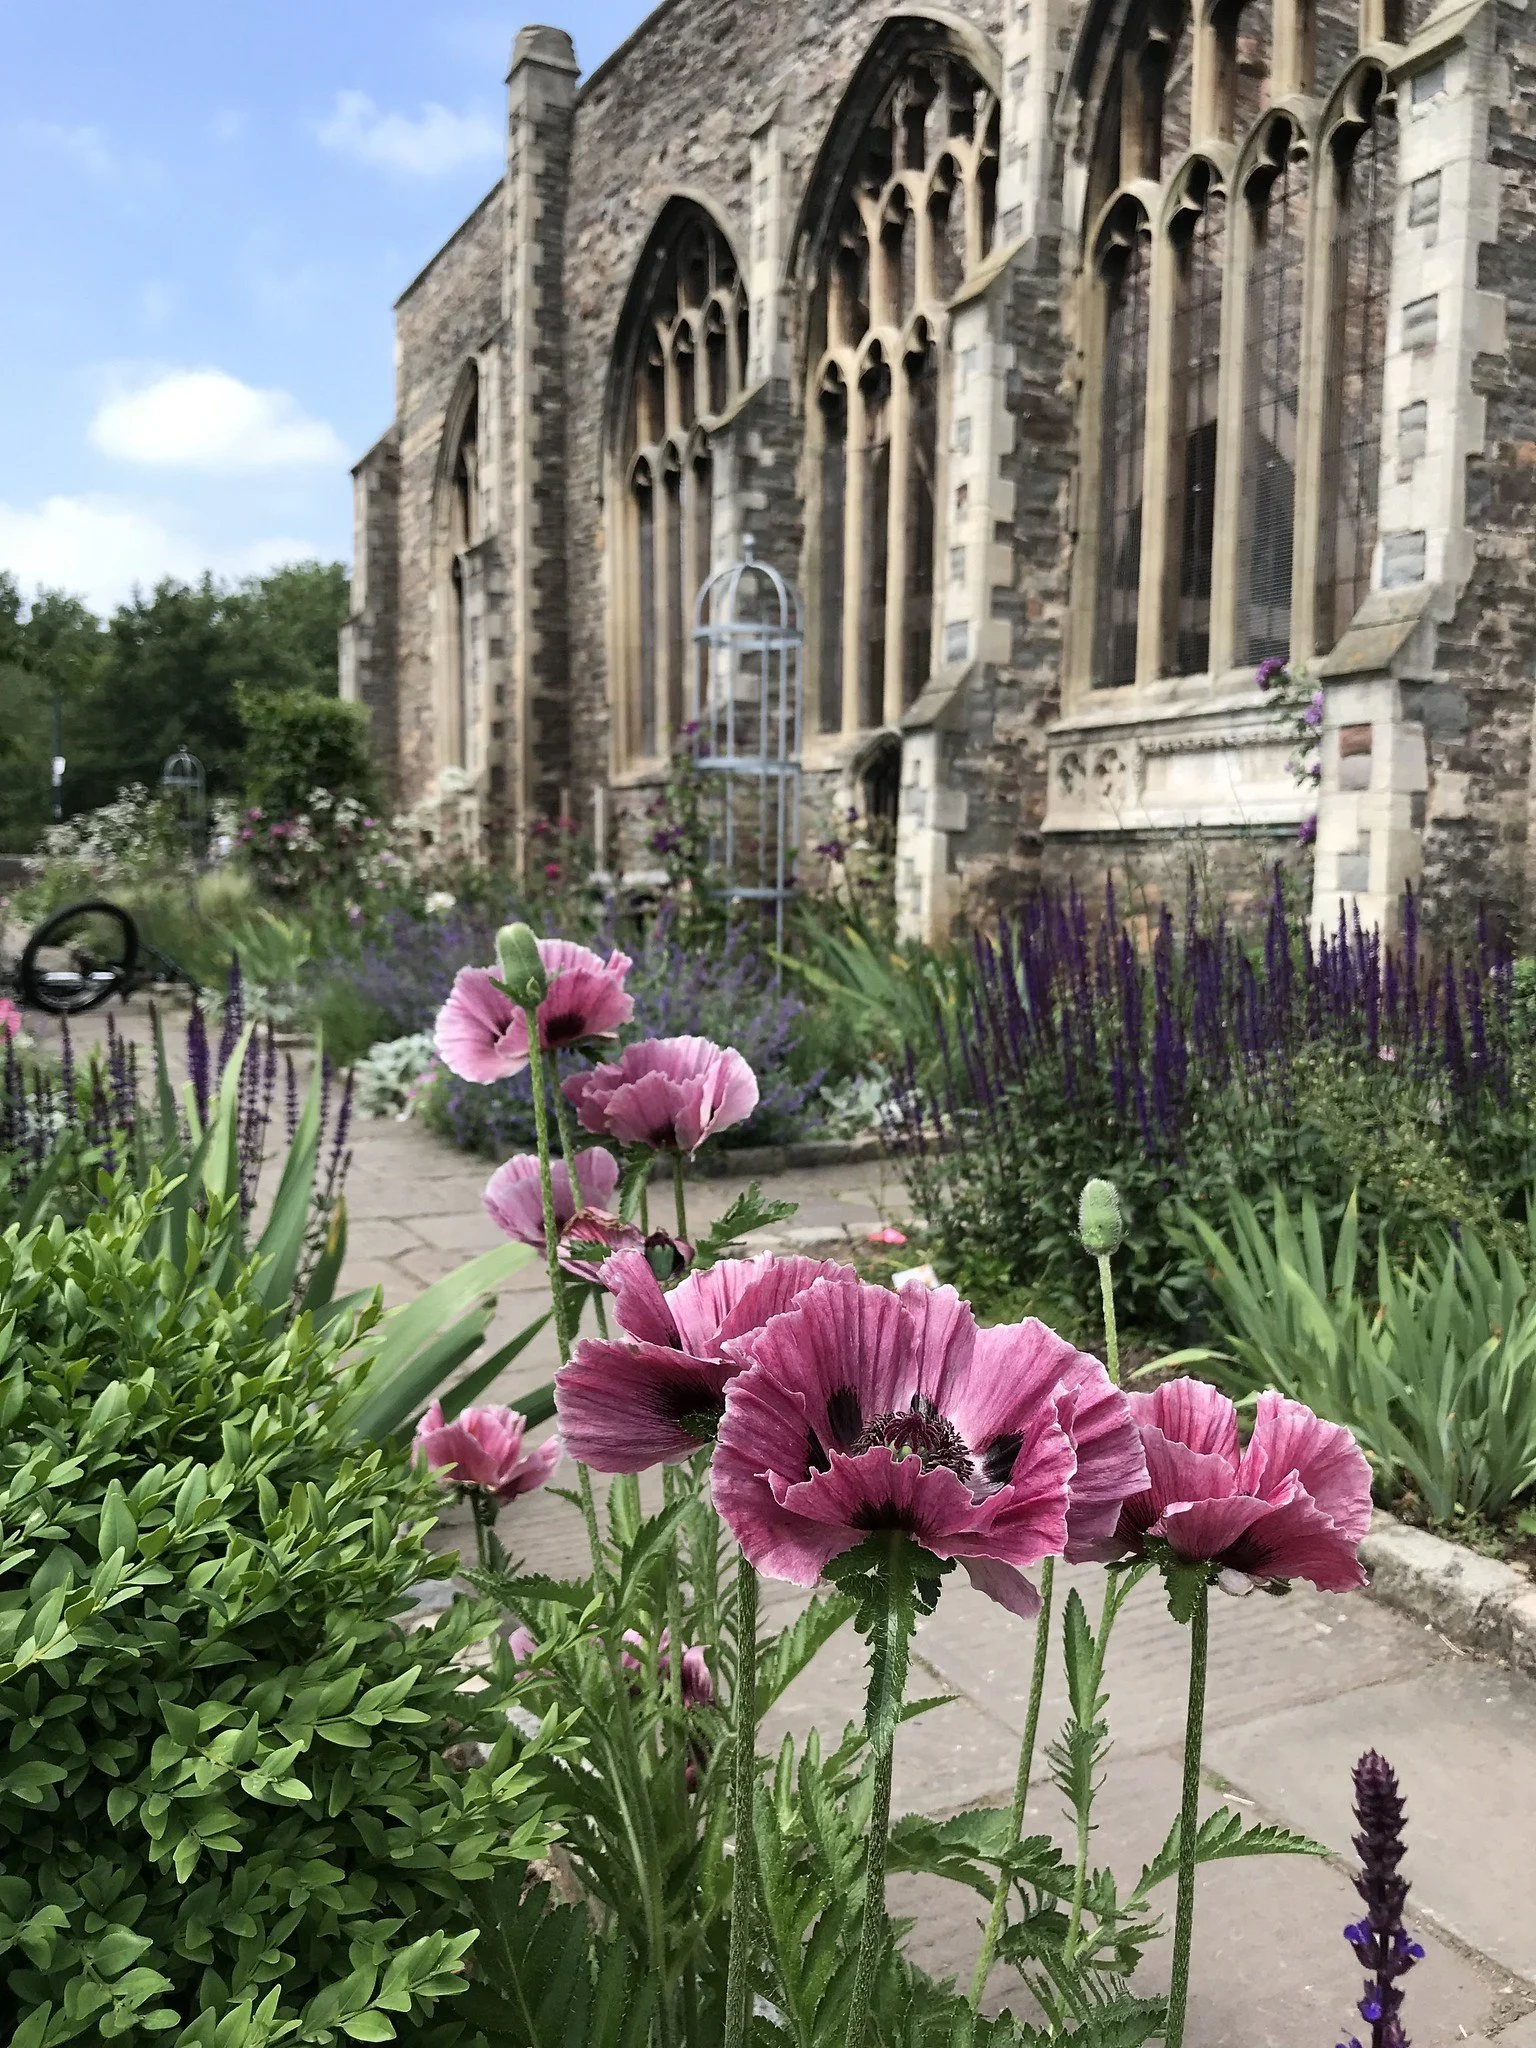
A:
x: 99, y: 548
x: 438, y: 140
x: 208, y: 420
x: 83, y: 146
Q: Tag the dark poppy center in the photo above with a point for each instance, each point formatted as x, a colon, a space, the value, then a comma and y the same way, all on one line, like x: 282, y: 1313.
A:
x: 919, y: 1433
x: 561, y: 1025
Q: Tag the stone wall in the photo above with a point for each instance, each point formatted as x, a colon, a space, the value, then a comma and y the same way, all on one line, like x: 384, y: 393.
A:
x: 370, y: 638
x: 448, y: 314
x: 1000, y: 760
x: 1478, y: 845
x: 680, y: 108
x: 730, y: 106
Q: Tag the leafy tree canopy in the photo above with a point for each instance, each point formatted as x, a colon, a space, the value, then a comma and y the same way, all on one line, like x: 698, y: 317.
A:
x: 163, y: 672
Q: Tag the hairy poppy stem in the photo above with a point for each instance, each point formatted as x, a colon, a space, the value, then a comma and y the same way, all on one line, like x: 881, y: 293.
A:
x: 1111, y: 1332
x: 677, y: 1186
x: 882, y: 1712
x: 738, y: 1983
x: 1189, y: 1823
x: 483, y: 1507
x: 556, y: 1277
x: 999, y: 1913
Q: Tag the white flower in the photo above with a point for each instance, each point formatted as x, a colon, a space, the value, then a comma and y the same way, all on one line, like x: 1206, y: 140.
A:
x: 439, y: 903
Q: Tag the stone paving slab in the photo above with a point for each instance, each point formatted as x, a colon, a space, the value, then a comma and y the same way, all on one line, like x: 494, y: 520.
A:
x: 1462, y: 1737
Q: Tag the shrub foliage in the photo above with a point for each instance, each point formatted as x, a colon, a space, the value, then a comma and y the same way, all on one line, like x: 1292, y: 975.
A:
x: 225, y: 1814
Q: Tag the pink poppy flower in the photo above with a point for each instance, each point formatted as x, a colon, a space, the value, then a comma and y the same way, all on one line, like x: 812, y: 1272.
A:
x: 1294, y: 1505
x: 483, y: 1447
x: 864, y: 1409
x: 514, y: 1202
x: 522, y: 1643
x: 698, y: 1685
x: 668, y: 1093
x: 624, y: 1406
x: 10, y: 1018
x: 481, y: 1034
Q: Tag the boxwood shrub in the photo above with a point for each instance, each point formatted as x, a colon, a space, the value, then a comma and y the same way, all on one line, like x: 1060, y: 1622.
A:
x: 226, y: 1818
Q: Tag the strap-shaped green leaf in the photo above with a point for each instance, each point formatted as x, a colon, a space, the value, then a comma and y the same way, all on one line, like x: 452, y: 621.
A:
x: 281, y: 1245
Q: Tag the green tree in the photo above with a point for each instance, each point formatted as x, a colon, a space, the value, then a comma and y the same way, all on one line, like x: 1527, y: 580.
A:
x: 162, y: 673
x: 297, y: 741
x: 283, y: 628
x: 176, y: 659
x: 56, y: 651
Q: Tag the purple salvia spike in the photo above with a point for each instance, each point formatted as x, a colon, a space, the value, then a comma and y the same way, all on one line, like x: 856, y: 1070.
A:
x: 67, y: 1074
x: 1455, y: 1047
x: 101, y: 1108
x: 336, y: 1168
x: 131, y: 1122
x: 197, y: 1060
x: 1381, y: 1943
x: 234, y: 1014
x: 1477, y: 1023
x: 291, y: 1103
x: 1411, y: 966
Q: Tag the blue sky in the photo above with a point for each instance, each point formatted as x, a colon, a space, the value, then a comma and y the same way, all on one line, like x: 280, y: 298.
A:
x: 208, y: 210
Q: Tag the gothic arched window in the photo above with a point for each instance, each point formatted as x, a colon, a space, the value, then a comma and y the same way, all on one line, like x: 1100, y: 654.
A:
x: 1198, y: 233
x: 461, y: 652
x: 911, y: 223
x: 1125, y: 285
x: 1234, y: 340
x: 1364, y: 164
x: 685, y: 333
x: 1276, y: 197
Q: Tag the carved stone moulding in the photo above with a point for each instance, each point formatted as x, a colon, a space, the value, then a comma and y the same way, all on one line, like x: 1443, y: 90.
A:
x: 1144, y: 776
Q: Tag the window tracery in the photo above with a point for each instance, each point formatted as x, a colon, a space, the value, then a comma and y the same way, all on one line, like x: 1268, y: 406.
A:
x: 915, y: 221
x: 1198, y: 233
x: 1277, y: 203
x: 1126, y: 284
x: 461, y: 708
x: 1364, y: 169
x: 690, y: 339
x: 1236, y: 338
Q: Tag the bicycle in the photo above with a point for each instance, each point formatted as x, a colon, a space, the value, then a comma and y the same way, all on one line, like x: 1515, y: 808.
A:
x: 85, y: 954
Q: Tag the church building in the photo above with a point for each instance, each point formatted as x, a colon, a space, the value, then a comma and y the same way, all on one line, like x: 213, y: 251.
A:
x: 1072, y: 358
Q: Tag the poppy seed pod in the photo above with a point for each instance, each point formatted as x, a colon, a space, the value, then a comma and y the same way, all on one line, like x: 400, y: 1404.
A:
x: 522, y: 971
x: 1100, y: 1219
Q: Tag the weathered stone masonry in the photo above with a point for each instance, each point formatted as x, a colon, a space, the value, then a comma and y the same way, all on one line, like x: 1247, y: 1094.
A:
x: 501, y: 611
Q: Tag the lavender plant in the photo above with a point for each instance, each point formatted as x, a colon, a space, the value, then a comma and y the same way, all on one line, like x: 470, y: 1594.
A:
x: 62, y: 1126
x: 1200, y: 1063
x: 722, y: 990
x: 1382, y: 1945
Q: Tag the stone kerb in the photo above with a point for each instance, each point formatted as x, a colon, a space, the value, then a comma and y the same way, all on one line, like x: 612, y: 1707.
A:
x: 1476, y: 1602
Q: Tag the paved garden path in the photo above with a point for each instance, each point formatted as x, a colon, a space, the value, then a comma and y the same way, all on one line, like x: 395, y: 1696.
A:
x: 1298, y: 1688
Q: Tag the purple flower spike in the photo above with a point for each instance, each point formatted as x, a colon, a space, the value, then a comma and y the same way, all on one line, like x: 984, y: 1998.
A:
x: 1381, y: 1944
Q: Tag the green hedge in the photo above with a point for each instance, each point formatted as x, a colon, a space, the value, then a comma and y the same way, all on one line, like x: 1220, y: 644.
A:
x: 225, y: 1813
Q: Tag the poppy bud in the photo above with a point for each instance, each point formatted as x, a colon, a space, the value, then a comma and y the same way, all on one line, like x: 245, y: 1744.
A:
x: 522, y: 971
x: 1100, y: 1220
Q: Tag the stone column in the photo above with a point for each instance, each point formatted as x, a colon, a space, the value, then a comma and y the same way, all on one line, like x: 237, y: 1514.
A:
x: 369, y: 673
x: 1387, y: 680
x: 541, y: 93
x: 957, y: 812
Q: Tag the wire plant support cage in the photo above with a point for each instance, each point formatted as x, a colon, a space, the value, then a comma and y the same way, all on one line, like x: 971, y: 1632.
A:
x: 185, y: 789
x: 746, y: 709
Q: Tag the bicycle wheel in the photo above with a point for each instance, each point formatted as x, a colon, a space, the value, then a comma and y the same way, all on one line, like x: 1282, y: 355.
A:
x: 78, y: 958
